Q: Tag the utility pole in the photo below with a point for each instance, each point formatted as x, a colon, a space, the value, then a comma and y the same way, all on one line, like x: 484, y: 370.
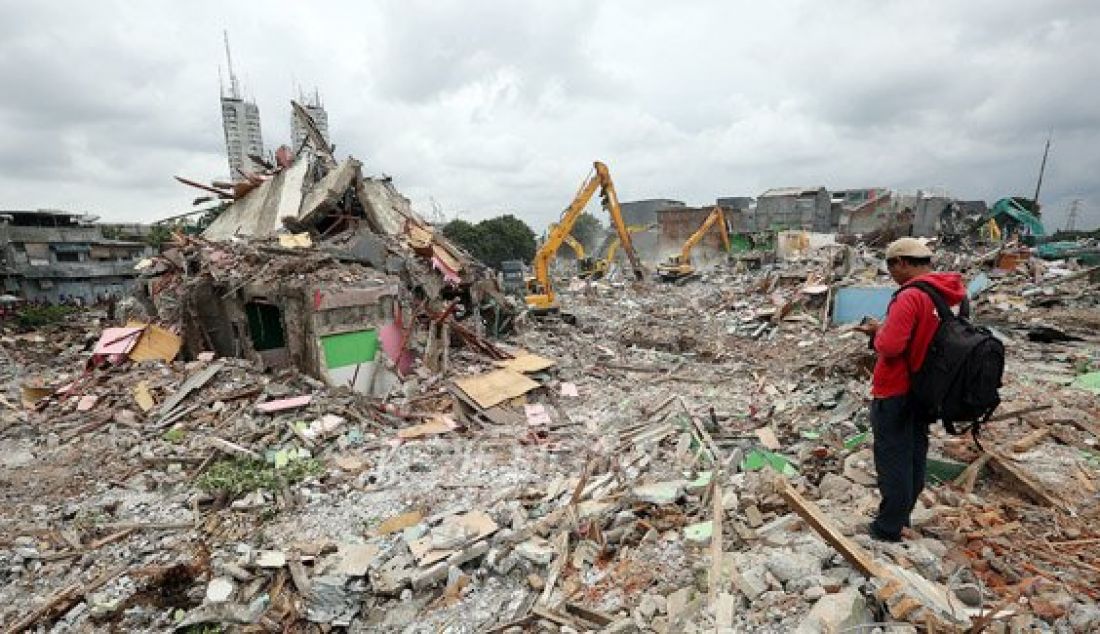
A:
x: 1042, y: 168
x: 1071, y: 217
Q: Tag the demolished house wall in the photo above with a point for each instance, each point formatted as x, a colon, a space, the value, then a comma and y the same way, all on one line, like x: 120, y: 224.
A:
x: 793, y: 208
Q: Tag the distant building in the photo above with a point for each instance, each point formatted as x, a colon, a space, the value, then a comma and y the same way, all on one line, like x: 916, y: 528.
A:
x: 241, y: 122
x: 736, y: 203
x: 738, y: 210
x: 791, y: 208
x: 51, y: 255
x: 316, y: 112
x: 644, y: 212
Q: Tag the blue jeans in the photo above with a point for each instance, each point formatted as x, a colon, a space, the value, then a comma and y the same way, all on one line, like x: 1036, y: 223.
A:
x: 901, y: 461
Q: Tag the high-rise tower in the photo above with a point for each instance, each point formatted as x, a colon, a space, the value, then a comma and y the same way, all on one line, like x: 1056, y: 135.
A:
x: 312, y: 105
x: 241, y: 122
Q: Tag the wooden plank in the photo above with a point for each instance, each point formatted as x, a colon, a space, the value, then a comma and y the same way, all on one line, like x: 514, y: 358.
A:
x: 969, y: 477
x: 860, y: 559
x: 62, y: 601
x: 595, y: 617
x: 1030, y: 440
x: 1024, y: 483
x: 768, y: 439
x: 716, y: 551
x: 562, y: 548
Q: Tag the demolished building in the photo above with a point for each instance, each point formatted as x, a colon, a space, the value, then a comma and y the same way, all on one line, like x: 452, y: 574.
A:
x: 316, y: 266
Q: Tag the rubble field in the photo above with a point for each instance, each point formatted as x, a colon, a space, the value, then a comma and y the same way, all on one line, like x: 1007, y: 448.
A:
x: 685, y: 458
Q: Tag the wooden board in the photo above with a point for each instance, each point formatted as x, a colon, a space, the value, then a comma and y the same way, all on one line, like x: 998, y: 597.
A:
x: 493, y: 388
x: 860, y: 559
x: 155, y: 343
x: 1025, y: 483
x: 527, y: 362
x: 476, y: 522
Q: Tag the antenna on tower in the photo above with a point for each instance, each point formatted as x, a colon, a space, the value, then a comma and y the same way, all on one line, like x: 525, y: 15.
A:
x: 234, y: 86
x: 1042, y: 168
x: 1071, y: 217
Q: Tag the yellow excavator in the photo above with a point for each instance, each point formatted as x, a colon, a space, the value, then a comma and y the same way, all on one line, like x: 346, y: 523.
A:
x: 679, y: 267
x: 541, y: 298
x: 599, y: 267
x: 586, y: 266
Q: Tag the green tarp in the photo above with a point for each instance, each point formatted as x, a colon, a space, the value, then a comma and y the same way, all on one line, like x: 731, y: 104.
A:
x: 1090, y: 382
x: 350, y: 348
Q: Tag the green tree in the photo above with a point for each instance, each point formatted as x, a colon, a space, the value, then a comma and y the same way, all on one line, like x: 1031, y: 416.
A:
x: 494, y: 240
x: 588, y: 230
x: 462, y: 233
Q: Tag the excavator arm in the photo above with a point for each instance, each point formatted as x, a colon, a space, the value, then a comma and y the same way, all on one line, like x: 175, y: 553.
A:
x: 680, y: 266
x: 542, y: 297
x: 716, y: 217
x: 604, y: 264
x: 610, y: 201
x: 575, y: 244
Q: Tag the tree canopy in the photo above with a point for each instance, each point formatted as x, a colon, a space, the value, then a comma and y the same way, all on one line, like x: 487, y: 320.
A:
x: 494, y: 240
x: 588, y: 230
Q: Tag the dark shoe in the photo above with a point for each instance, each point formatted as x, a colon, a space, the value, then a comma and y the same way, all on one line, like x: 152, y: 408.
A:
x: 879, y: 536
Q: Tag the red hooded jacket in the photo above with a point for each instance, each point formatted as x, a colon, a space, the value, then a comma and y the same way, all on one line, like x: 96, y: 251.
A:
x: 911, y: 322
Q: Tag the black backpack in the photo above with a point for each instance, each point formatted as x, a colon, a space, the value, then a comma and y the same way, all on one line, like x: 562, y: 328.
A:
x: 959, y: 380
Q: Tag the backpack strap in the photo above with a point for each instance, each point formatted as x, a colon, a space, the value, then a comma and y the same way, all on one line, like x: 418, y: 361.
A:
x: 941, y: 306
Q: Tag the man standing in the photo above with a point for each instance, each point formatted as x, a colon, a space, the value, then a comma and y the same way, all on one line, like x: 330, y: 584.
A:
x: 899, y: 425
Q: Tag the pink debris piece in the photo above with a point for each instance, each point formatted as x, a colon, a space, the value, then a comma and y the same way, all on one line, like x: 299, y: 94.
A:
x: 569, y: 389
x: 86, y: 402
x: 537, y: 414
x: 118, y: 340
x: 448, y: 274
x: 391, y: 336
x: 284, y: 404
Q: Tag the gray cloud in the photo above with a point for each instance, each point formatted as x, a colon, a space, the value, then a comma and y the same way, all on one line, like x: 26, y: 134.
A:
x: 502, y: 106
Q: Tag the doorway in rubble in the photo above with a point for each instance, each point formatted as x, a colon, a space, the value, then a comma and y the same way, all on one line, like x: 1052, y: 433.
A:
x: 265, y: 328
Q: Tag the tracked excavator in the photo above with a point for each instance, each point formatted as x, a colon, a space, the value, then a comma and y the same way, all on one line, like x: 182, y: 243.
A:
x: 541, y: 298
x: 679, y: 267
x: 599, y: 267
x: 586, y: 264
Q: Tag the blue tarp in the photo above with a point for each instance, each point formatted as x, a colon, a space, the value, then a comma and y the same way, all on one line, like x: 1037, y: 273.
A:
x: 980, y: 282
x: 852, y: 303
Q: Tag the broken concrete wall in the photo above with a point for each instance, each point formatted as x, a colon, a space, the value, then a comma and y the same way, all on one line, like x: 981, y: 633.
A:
x: 793, y: 208
x: 260, y: 211
x: 348, y: 327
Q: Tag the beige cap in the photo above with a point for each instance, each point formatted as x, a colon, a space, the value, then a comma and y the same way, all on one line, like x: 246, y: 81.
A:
x: 908, y: 247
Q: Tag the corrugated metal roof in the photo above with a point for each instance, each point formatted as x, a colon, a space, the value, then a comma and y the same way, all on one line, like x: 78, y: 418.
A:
x: 789, y: 191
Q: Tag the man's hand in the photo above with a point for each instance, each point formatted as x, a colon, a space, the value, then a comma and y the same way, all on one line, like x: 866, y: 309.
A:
x: 869, y: 326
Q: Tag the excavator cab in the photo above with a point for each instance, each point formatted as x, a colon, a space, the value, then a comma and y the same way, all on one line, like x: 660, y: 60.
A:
x: 675, y: 269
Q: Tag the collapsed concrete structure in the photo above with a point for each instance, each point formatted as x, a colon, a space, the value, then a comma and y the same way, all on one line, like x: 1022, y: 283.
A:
x: 317, y: 266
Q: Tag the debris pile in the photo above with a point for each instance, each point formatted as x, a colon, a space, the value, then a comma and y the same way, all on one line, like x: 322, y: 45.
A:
x: 317, y: 429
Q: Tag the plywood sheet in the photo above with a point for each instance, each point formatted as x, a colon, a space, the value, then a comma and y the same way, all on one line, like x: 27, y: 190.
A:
x: 477, y: 524
x: 155, y: 343
x: 527, y: 362
x: 493, y: 388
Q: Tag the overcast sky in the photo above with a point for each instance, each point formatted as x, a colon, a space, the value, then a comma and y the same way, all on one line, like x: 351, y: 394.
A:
x: 491, y: 107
